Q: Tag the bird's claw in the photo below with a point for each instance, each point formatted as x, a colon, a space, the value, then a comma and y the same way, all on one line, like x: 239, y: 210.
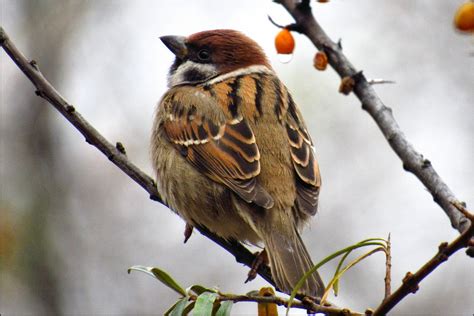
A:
x: 188, y: 230
x: 261, y: 258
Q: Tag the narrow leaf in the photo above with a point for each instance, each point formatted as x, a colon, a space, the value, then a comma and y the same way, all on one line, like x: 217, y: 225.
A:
x: 178, y: 307
x: 335, y: 286
x: 167, y: 313
x: 225, y: 308
x: 346, y: 268
x: 188, y: 309
x: 199, y: 289
x: 204, y: 304
x: 364, y: 243
x: 162, y: 276
x: 339, y: 266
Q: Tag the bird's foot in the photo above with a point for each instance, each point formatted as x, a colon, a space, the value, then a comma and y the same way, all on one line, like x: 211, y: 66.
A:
x: 188, y: 230
x: 260, y: 259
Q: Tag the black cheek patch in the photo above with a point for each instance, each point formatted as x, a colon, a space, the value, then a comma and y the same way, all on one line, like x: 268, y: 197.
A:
x: 193, y: 75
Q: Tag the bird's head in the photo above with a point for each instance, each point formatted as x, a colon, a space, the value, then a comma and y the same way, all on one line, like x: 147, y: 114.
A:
x: 205, y: 55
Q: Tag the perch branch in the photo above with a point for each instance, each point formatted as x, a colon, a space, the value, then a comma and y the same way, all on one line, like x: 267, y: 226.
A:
x: 412, y: 160
x: 411, y: 281
x: 308, y: 305
x: 116, y: 154
x: 45, y: 90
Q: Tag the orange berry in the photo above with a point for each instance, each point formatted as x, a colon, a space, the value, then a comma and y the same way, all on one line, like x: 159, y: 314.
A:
x: 320, y: 61
x: 284, y: 42
x: 464, y: 17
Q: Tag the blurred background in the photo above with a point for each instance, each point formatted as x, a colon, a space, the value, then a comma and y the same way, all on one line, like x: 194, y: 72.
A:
x: 71, y: 223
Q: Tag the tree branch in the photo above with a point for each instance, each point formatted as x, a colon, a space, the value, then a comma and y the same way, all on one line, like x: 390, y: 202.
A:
x: 388, y: 269
x: 412, y: 160
x: 411, y: 281
x: 308, y: 305
x: 116, y: 154
x: 306, y: 24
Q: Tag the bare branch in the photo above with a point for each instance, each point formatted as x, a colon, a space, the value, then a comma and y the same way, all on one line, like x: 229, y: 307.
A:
x: 388, y: 268
x: 45, y: 90
x: 412, y: 160
x: 116, y: 154
x: 411, y: 281
x: 305, y: 304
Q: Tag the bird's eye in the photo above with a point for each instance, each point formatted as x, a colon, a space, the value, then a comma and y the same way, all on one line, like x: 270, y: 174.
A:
x: 204, y: 55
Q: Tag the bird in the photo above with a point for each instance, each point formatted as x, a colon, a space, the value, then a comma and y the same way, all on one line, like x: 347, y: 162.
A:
x: 231, y: 151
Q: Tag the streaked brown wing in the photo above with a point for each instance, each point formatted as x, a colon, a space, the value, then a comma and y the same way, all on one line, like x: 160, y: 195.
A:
x: 224, y: 151
x: 304, y: 161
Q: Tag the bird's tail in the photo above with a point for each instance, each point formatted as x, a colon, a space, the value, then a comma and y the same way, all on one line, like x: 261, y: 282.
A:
x: 289, y: 261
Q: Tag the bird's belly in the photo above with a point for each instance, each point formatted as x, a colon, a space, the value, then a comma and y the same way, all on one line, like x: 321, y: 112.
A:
x: 197, y: 199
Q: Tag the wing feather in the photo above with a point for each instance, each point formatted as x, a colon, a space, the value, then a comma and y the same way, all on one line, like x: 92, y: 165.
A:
x: 224, y: 150
x: 305, y: 164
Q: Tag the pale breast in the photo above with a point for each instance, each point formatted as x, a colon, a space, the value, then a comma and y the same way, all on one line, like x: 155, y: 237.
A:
x: 197, y: 199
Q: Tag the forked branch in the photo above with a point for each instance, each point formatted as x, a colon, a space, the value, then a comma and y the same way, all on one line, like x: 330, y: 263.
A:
x: 412, y: 160
x: 411, y: 281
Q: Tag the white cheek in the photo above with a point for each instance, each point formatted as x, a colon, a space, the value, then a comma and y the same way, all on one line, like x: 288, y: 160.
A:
x: 178, y: 77
x: 241, y: 72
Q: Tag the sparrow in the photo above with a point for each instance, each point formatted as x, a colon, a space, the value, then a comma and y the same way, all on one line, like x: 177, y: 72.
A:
x: 232, y: 153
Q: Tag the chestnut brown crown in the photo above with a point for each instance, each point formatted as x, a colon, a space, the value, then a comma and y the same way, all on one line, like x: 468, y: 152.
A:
x: 204, y: 55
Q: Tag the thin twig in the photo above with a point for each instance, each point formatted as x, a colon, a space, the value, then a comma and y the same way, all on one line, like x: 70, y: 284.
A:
x: 379, y: 81
x: 411, y: 281
x: 388, y: 268
x: 461, y: 206
x: 275, y: 23
x: 116, y: 154
x: 412, y: 160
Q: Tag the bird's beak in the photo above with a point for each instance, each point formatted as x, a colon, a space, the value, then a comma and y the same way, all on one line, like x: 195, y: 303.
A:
x: 176, y: 44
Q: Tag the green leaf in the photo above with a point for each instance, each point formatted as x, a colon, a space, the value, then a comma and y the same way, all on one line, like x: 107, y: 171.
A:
x: 339, y: 266
x: 225, y: 308
x: 204, y: 304
x: 363, y: 243
x: 177, y: 308
x: 162, y: 276
x: 346, y: 268
x: 199, y: 289
x: 188, y: 309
